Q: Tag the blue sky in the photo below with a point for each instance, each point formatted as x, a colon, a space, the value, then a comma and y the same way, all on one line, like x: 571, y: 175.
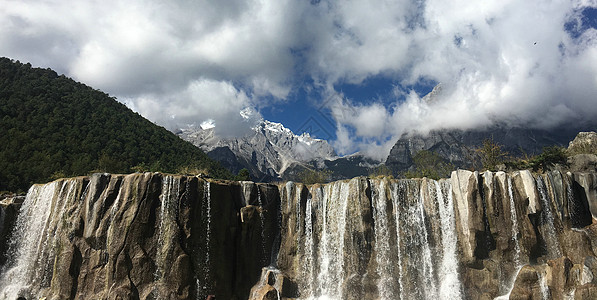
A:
x: 352, y: 72
x: 301, y: 115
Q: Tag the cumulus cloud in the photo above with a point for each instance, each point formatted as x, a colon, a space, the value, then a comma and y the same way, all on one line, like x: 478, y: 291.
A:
x: 213, y: 103
x: 531, y: 63
x: 499, y: 61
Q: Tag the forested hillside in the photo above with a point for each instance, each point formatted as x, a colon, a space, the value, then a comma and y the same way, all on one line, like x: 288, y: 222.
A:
x: 52, y: 126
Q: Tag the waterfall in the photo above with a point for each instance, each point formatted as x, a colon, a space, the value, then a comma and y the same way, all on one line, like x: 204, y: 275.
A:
x: 381, y: 239
x: 330, y: 279
x: 382, y: 245
x: 297, y: 228
x: 407, y: 266
x: 398, y: 192
x: 262, y: 222
x: 207, y: 201
x: 203, y: 282
x: 549, y: 231
x: 419, y: 265
x: 514, y: 219
x: 307, y: 267
x: 543, y: 285
x: 33, y: 242
x: 448, y: 274
x: 167, y: 228
x: 516, y: 256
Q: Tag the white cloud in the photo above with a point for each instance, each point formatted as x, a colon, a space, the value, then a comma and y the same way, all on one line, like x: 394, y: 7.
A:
x: 188, y: 62
x: 205, y: 103
x: 506, y: 61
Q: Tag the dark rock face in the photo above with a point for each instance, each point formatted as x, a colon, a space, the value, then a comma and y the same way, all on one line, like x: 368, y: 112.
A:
x: 583, y: 163
x: 9, y: 209
x: 457, y: 146
x: 475, y: 235
x: 141, y: 236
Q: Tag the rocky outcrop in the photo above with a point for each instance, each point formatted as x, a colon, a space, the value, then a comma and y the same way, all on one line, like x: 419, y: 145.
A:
x: 584, y: 142
x: 582, y: 163
x: 475, y: 235
x: 582, y: 151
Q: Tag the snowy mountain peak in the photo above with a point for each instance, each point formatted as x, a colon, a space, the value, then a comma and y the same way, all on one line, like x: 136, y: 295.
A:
x: 271, y: 147
x: 275, y: 127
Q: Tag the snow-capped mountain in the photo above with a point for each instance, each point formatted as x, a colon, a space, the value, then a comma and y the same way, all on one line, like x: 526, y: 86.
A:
x: 268, y: 151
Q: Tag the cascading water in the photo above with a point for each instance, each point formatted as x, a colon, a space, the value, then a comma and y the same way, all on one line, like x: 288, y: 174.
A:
x: 297, y: 227
x: 331, y: 257
x: 448, y: 273
x: 419, y: 264
x: 545, y: 295
x: 359, y: 239
x: 307, y: 268
x: 325, y: 267
x: 33, y: 241
x: 548, y: 221
x: 514, y: 219
x: 262, y: 222
x: 516, y: 256
x: 203, y: 277
x: 26, y: 247
x: 167, y: 223
x: 384, y: 270
x: 398, y: 196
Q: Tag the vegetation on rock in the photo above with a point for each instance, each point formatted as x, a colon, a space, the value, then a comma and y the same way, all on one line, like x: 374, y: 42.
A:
x: 309, y: 176
x: 491, y: 154
x: 380, y: 171
x: 429, y: 164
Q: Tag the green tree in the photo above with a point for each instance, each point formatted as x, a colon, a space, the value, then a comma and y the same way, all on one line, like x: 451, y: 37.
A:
x: 428, y: 164
x: 381, y: 170
x: 50, y: 123
x: 549, y: 157
x: 243, y: 175
x: 491, y: 154
x: 309, y: 176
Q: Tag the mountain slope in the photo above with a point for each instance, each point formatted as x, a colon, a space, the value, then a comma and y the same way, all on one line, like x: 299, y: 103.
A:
x: 268, y: 152
x: 50, y: 123
x: 458, y: 146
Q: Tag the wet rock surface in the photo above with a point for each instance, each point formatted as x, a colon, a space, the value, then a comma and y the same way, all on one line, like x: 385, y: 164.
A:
x: 140, y: 236
x: 155, y: 236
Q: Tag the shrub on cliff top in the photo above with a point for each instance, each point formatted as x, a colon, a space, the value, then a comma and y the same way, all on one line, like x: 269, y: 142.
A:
x: 429, y: 164
x: 309, y: 176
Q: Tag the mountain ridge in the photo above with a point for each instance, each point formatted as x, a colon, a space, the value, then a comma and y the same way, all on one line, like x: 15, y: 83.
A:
x: 268, y: 151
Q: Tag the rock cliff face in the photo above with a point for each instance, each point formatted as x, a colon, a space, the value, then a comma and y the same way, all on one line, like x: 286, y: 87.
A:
x: 458, y: 146
x: 140, y: 236
x: 151, y: 236
x: 267, y: 152
x: 473, y: 236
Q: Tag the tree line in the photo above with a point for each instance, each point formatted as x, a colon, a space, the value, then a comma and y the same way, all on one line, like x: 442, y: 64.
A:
x: 52, y: 126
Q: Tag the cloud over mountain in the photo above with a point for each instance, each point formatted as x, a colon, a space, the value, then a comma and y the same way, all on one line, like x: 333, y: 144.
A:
x: 521, y: 62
